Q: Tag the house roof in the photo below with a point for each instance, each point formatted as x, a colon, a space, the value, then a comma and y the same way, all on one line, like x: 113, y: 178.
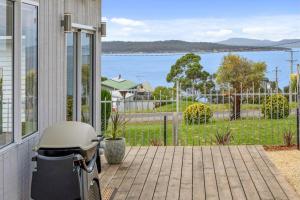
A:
x: 121, y: 84
x: 147, y: 87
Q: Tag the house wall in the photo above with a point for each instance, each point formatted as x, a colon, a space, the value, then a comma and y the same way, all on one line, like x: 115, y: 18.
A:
x: 15, y: 159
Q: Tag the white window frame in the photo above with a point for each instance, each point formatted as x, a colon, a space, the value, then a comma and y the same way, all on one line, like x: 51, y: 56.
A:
x: 17, y: 51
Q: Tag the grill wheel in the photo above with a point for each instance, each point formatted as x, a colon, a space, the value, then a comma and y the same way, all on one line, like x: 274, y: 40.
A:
x: 94, y: 192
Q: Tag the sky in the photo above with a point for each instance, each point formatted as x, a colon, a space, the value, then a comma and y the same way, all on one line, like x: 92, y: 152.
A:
x: 201, y: 20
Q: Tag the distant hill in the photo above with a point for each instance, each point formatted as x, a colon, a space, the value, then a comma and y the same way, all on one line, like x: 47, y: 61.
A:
x: 288, y: 43
x: 176, y: 46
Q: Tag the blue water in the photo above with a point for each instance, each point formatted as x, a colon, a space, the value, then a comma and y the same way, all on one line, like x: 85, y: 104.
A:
x: 154, y: 68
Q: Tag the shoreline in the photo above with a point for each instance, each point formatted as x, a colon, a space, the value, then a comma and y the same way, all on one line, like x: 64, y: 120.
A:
x: 183, y: 53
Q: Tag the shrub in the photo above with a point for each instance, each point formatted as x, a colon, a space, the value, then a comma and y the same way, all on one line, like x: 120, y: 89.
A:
x: 275, y: 107
x: 197, y: 113
x: 163, y: 93
x: 223, y: 138
x: 288, y: 138
x: 105, y: 109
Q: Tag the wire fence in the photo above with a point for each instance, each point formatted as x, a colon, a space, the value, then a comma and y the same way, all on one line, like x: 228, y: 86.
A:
x: 210, y: 117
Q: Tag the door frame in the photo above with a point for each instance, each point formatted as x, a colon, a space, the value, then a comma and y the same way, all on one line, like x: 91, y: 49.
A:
x: 77, y: 31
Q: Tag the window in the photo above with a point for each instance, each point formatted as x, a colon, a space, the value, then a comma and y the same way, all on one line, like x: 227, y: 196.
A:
x: 6, y: 72
x: 29, y: 69
x: 87, y: 78
x: 71, y: 77
x: 80, y: 76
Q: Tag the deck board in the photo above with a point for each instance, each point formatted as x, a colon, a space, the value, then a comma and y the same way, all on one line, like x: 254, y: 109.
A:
x: 248, y: 185
x: 175, y: 177
x: 149, y: 186
x: 162, y: 184
x: 235, y: 184
x: 198, y: 175
x: 221, y: 177
x: 208, y: 172
x: 257, y: 179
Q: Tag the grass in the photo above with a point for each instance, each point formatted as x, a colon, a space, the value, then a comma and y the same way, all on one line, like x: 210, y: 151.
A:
x: 245, y: 131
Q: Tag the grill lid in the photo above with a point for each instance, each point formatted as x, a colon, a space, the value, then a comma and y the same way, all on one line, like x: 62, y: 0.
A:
x: 69, y: 135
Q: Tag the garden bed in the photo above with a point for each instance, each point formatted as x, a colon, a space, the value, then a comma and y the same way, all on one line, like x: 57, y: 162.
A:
x: 288, y: 162
x: 280, y: 147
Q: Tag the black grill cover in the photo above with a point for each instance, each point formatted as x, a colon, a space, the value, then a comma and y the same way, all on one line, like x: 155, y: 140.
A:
x: 55, y: 178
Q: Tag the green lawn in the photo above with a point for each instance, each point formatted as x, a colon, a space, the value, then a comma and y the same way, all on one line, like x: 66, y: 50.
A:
x: 245, y: 131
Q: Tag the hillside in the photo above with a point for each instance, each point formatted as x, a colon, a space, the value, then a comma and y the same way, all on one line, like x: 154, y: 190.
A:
x: 288, y: 43
x: 175, y: 46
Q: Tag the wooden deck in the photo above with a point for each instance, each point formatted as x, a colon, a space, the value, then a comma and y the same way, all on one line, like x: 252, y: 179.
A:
x: 218, y: 172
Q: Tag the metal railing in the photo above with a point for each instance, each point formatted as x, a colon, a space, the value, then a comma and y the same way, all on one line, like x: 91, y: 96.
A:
x: 236, y: 117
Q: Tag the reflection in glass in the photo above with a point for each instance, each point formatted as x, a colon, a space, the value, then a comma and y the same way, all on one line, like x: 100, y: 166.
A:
x: 29, y: 69
x: 86, y: 79
x: 71, y: 78
x: 6, y: 72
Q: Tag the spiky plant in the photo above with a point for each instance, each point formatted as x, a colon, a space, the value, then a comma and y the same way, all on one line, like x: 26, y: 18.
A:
x: 155, y: 142
x: 288, y: 138
x: 223, y: 138
x: 118, y: 123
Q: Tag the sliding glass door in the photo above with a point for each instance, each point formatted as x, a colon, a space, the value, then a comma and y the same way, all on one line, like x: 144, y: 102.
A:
x: 86, y: 77
x: 80, y: 64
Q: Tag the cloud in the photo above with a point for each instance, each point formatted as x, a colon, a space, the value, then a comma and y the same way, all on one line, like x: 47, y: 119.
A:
x: 126, y: 22
x: 253, y: 30
x: 205, y: 29
x: 219, y: 33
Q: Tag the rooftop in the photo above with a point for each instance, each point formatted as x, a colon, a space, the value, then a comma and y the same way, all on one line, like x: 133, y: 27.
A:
x: 119, y: 83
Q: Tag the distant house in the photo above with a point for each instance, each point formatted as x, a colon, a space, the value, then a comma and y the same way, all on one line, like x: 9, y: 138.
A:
x: 138, y: 91
x: 134, y: 92
x: 119, y: 83
x: 144, y: 91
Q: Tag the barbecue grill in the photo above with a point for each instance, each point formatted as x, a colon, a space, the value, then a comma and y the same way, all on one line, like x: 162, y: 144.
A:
x: 67, y: 163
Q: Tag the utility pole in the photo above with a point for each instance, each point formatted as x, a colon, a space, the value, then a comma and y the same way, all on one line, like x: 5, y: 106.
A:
x: 276, y: 77
x: 291, y: 61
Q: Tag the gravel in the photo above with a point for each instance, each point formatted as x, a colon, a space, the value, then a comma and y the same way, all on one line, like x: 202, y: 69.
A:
x: 288, y: 163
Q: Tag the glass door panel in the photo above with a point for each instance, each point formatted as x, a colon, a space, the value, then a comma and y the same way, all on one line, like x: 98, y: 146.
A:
x: 86, y: 77
x: 71, y: 76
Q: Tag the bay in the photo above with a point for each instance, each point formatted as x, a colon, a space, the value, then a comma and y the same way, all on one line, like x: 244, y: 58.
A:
x: 154, y: 68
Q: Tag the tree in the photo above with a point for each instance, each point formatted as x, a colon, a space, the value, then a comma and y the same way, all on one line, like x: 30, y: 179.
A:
x: 163, y: 93
x: 293, y: 79
x: 239, y: 74
x: 190, y: 74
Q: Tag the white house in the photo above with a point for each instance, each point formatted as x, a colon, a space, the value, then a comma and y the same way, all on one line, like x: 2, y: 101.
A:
x: 49, y: 72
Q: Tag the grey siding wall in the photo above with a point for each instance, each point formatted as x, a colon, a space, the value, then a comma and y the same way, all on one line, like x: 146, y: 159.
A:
x: 15, y: 159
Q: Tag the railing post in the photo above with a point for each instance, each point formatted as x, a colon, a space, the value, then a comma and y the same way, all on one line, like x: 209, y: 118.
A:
x: 165, y: 130
x: 177, y: 97
x: 298, y: 106
x: 175, y: 117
